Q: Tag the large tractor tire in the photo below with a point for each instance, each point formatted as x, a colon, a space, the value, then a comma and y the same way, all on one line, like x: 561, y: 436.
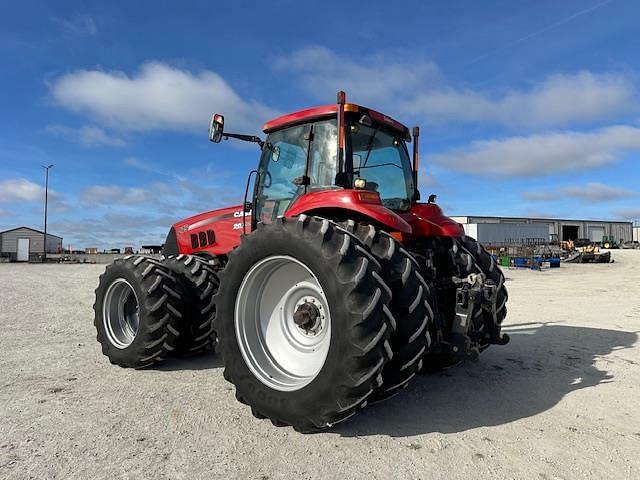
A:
x: 410, y: 306
x: 303, y: 323
x: 200, y: 283
x: 137, y: 311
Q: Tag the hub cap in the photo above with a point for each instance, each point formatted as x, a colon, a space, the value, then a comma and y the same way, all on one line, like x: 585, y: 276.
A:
x: 120, y: 313
x: 282, y: 322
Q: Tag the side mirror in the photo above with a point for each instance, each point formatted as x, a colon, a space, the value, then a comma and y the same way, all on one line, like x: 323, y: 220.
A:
x: 275, y: 153
x: 216, y: 128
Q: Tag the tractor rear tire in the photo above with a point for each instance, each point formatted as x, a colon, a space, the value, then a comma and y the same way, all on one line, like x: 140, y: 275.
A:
x: 410, y: 306
x: 200, y: 283
x: 303, y: 323
x: 486, y: 264
x: 137, y: 311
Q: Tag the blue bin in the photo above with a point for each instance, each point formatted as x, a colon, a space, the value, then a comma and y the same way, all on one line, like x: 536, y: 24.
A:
x: 520, y: 262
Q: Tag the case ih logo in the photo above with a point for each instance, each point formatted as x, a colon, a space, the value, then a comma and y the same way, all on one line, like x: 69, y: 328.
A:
x: 183, y: 228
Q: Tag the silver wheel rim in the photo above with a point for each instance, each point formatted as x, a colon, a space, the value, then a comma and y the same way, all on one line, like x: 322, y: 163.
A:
x: 281, y: 354
x: 120, y: 313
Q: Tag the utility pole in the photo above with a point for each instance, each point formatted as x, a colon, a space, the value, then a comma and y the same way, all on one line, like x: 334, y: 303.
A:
x: 46, y: 201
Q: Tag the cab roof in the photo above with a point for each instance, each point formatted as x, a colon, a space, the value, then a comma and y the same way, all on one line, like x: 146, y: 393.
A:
x: 328, y: 111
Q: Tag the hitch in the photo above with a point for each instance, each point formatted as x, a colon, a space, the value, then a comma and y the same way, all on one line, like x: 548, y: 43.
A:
x: 473, y: 293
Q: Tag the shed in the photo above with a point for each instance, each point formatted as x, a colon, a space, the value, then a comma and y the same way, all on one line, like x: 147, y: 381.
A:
x: 19, y: 244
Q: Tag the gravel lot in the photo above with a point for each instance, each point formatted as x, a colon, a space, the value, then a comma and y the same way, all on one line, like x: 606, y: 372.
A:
x: 560, y: 401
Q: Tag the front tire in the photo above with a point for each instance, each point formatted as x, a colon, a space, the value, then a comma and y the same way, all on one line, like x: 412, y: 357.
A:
x: 137, y: 311
x: 200, y: 283
x: 318, y: 370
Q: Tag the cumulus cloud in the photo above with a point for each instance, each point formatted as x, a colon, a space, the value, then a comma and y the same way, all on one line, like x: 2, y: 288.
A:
x: 157, y: 97
x: 21, y: 190
x: 427, y: 179
x: 178, y: 196
x: 113, y: 194
x: 542, y: 154
x: 417, y: 88
x: 628, y: 213
x: 375, y: 79
x: 590, y: 192
x: 87, y: 135
x: 77, y: 24
x: 556, y: 101
x: 114, y: 230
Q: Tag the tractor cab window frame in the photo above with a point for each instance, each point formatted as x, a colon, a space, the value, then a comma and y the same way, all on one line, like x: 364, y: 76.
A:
x: 294, y: 161
x: 376, y: 152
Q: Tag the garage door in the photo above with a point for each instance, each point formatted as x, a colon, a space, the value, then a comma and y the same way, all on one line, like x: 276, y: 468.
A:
x: 596, y: 234
x: 23, y: 250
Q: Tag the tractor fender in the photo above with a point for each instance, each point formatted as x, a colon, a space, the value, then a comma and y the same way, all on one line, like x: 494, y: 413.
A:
x: 357, y: 204
x: 427, y: 220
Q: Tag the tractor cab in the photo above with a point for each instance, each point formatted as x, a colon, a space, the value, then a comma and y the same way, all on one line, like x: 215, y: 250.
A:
x: 330, y: 148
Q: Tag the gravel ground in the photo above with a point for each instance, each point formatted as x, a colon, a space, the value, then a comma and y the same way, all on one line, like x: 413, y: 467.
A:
x: 559, y: 401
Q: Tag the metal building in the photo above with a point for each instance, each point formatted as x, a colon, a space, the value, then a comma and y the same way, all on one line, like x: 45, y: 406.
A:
x: 22, y: 243
x: 503, y: 230
x: 636, y: 232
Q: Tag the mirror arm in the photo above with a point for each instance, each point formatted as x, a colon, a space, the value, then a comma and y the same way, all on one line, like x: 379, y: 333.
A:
x: 245, y: 138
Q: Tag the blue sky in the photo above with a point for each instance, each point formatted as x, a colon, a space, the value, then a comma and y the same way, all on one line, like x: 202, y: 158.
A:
x: 526, y: 108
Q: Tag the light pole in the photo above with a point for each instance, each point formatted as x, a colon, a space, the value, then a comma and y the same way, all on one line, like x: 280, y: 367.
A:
x: 46, y: 201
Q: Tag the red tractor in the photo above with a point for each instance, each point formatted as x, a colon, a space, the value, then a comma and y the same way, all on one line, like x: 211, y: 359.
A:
x: 328, y: 289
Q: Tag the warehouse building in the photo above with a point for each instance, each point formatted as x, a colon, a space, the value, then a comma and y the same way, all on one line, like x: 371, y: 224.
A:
x: 509, y: 230
x: 636, y: 232
x: 24, y: 243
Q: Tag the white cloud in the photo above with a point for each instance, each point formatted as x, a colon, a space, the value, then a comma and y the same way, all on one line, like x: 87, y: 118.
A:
x: 427, y: 179
x: 138, y: 164
x: 556, y: 101
x: 112, y: 194
x: 628, y: 213
x: 590, y: 192
x: 20, y: 190
x: 543, y: 154
x: 78, y: 24
x: 5, y: 213
x: 157, y: 97
x: 87, y: 135
x: 415, y: 87
x: 375, y: 79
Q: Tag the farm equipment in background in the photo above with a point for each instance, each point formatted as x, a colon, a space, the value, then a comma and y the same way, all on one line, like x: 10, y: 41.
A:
x: 609, y: 242
x: 328, y: 288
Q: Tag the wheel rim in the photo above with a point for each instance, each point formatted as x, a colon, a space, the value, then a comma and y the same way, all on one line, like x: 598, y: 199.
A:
x: 120, y: 313
x: 281, y: 353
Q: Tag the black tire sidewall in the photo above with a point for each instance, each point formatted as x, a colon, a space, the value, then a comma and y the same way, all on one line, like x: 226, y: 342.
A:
x: 304, y: 402
x: 129, y: 355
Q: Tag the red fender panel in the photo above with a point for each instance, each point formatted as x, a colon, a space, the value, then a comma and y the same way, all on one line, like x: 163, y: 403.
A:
x: 427, y: 220
x: 362, y: 202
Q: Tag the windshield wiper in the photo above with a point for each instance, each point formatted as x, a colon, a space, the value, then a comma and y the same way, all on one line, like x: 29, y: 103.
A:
x: 370, y: 146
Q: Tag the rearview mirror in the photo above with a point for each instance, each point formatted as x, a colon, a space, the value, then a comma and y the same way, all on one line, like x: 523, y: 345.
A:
x: 216, y: 128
